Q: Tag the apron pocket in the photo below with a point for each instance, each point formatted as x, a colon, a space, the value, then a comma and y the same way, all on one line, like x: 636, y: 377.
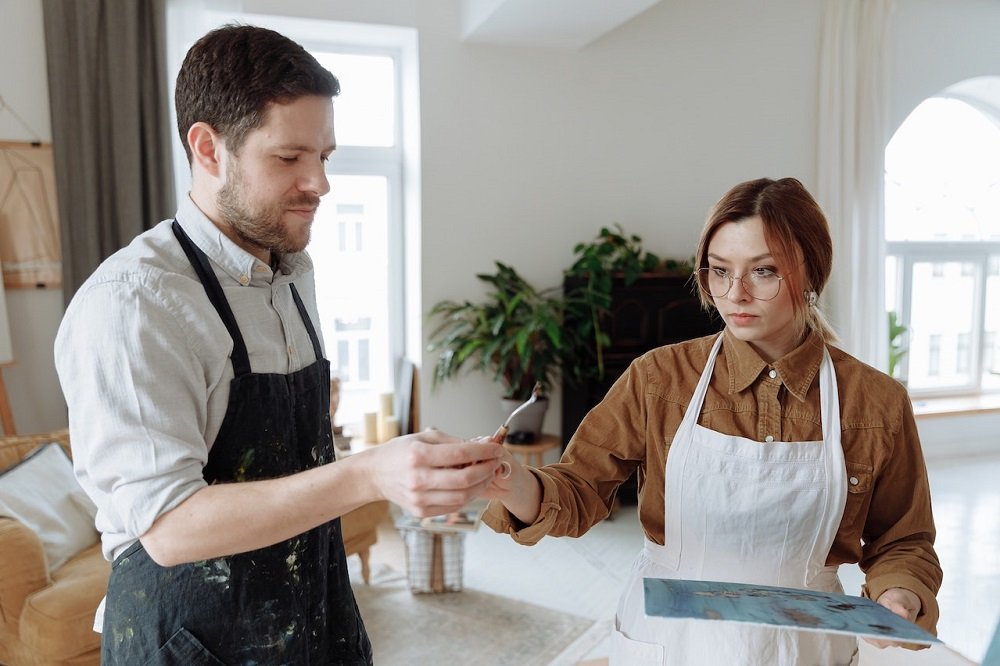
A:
x: 628, y: 652
x: 183, y: 649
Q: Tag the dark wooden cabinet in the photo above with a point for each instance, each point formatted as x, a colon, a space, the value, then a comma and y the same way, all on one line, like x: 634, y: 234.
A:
x: 651, y: 312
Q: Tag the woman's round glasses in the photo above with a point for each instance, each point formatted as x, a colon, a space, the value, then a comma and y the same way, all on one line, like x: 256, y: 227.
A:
x: 761, y: 284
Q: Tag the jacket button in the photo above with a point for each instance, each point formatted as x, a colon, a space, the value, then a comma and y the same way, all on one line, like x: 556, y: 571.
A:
x: 854, y: 481
x: 769, y: 438
x: 772, y: 374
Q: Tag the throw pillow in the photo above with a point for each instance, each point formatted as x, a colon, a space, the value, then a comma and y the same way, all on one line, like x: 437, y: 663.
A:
x: 41, y: 492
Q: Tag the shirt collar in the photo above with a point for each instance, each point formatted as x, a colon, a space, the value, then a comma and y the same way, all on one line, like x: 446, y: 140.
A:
x: 796, y: 369
x: 237, y: 263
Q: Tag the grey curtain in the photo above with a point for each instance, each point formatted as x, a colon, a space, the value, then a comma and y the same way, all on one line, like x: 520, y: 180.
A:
x: 110, y: 125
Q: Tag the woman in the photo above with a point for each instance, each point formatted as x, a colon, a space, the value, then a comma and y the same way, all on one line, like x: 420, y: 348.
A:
x: 764, y: 454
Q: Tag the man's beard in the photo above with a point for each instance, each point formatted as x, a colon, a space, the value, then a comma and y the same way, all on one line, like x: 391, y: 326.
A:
x: 259, y: 225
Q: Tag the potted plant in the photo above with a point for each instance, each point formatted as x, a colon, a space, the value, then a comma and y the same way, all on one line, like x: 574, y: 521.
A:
x: 520, y: 335
x: 588, y: 286
x: 514, y: 335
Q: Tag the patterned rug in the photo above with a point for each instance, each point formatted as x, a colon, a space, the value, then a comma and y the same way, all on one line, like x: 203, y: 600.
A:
x: 466, y: 627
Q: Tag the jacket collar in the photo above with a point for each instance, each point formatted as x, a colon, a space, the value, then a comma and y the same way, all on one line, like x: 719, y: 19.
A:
x: 796, y: 369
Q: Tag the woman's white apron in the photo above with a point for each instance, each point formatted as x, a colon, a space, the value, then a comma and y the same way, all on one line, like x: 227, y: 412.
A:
x: 741, y: 511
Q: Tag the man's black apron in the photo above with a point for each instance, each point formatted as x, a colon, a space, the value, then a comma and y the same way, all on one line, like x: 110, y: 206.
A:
x: 290, y: 603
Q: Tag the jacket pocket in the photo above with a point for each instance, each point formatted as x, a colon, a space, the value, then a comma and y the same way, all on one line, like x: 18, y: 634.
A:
x: 183, y: 649
x: 859, y: 488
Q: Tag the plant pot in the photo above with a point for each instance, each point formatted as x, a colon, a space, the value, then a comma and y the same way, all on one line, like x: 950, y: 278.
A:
x: 528, y: 420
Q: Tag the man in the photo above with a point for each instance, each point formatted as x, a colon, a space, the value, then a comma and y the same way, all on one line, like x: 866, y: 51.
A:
x: 198, y: 393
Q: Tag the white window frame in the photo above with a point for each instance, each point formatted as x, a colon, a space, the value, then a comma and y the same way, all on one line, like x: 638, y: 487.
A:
x: 977, y: 253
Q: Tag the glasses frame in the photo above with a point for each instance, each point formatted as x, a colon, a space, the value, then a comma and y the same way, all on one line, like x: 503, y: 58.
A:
x: 733, y: 278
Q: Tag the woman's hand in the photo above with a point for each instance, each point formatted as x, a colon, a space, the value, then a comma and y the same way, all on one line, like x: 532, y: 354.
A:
x: 903, y: 603
x: 519, y: 490
x: 504, y: 479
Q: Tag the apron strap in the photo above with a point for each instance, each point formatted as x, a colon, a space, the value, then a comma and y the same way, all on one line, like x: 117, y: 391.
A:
x: 199, y: 260
x: 308, y: 322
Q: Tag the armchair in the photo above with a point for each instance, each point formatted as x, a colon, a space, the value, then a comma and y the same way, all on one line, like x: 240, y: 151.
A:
x: 46, y: 617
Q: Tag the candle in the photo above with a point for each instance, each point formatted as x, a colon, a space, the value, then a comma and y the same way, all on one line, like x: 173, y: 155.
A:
x: 390, y: 428
x: 370, y: 429
x: 386, y: 401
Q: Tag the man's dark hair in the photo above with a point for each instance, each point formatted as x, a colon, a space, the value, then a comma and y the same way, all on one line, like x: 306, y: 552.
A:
x: 231, y: 75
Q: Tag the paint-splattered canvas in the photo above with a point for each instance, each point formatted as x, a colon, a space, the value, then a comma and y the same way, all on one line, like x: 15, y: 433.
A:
x: 788, y: 607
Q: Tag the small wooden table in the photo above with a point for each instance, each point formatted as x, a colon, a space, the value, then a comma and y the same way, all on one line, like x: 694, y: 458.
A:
x: 534, y: 453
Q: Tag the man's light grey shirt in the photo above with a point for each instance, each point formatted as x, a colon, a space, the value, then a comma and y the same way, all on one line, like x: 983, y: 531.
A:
x: 144, y: 363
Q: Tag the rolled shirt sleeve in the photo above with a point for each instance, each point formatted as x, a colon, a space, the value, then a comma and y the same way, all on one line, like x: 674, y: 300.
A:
x: 137, y: 400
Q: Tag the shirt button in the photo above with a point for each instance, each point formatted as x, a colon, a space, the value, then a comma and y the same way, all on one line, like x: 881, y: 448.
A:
x: 244, y: 280
x: 769, y: 438
x: 291, y: 351
x: 772, y: 374
x: 854, y: 481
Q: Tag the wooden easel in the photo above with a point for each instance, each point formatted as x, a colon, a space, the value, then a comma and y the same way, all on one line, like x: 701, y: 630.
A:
x: 6, y: 415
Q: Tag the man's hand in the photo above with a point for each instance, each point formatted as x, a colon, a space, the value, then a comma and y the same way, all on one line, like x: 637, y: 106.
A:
x: 903, y: 603
x: 431, y: 473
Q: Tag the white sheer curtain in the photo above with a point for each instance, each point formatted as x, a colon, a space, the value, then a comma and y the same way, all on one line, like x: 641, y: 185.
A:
x: 853, y: 132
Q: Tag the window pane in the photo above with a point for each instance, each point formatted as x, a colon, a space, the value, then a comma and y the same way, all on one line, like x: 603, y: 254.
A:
x: 941, y: 323
x: 942, y: 175
x: 364, y: 112
x: 352, y: 288
x: 991, y: 337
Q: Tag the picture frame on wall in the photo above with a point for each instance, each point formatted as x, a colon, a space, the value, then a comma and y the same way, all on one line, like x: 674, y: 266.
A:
x: 29, y: 216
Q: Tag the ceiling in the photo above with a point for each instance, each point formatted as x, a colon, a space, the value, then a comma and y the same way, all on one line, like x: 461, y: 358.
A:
x: 565, y: 24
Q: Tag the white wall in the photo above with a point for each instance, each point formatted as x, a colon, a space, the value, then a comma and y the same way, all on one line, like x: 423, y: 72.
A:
x: 31, y: 382
x: 529, y: 151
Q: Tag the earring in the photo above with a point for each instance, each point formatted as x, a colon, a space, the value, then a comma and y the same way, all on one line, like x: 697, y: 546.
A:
x: 811, y: 298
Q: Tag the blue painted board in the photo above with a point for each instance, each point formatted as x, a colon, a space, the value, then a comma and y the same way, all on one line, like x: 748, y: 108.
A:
x: 781, y: 606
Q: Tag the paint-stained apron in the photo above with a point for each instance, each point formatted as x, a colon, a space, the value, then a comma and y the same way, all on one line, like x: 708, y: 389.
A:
x: 290, y: 603
x: 741, y: 511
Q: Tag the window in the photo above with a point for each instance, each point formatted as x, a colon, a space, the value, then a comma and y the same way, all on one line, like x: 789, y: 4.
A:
x: 942, y: 222
x: 358, y: 228
x: 351, y: 243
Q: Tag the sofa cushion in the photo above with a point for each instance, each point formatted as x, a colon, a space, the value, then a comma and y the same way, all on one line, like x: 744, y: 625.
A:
x: 41, y: 492
x: 58, y: 621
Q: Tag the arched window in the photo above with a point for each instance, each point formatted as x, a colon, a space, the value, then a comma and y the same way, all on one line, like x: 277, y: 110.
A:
x: 942, y: 230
